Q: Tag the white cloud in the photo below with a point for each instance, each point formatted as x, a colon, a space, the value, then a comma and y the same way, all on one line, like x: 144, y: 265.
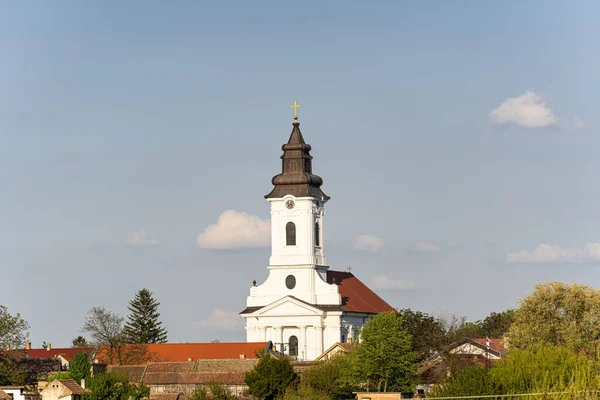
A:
x: 142, y: 238
x: 527, y: 110
x: 546, y: 253
x: 236, y: 230
x: 222, y: 320
x: 383, y: 282
x: 424, y: 247
x: 66, y: 149
x: 577, y: 122
x: 369, y: 243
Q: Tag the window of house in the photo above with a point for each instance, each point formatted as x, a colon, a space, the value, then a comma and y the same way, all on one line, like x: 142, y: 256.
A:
x: 290, y: 234
x: 293, y: 346
x: 317, y: 234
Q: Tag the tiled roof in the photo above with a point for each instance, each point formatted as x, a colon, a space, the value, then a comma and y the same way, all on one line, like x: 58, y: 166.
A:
x: 134, y: 372
x: 183, y: 352
x: 67, y: 353
x: 73, y: 386
x: 356, y: 296
x: 4, y: 395
x: 497, y: 344
x: 161, y: 378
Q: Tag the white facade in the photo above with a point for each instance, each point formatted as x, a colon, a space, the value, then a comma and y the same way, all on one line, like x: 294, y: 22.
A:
x: 15, y: 391
x: 307, y: 310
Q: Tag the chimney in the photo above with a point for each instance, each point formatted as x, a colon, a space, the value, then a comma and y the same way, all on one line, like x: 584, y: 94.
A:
x: 49, y: 346
x: 242, y: 356
x: 28, y: 345
x: 83, y: 383
x: 190, y: 359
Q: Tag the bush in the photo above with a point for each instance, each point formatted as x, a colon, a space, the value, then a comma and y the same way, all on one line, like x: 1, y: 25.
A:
x: 271, y: 377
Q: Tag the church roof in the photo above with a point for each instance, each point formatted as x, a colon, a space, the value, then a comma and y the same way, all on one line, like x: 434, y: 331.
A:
x: 356, y: 296
x: 296, y: 177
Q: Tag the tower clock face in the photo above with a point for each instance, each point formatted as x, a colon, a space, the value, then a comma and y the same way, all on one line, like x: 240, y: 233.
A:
x: 289, y: 204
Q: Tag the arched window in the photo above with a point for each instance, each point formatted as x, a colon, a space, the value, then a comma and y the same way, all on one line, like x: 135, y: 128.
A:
x: 293, y: 346
x: 317, y: 233
x: 290, y: 234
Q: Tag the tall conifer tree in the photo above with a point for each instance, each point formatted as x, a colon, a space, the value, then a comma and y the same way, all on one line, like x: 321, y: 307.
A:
x: 142, y: 324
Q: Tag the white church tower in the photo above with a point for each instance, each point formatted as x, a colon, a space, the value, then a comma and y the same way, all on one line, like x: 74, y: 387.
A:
x: 303, y: 308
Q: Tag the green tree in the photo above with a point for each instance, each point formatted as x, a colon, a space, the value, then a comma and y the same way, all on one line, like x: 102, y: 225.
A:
x: 143, y: 325
x: 560, y: 314
x: 546, y: 368
x: 79, y: 368
x: 385, y: 360
x: 79, y: 341
x: 271, y: 377
x: 13, y: 330
x: 325, y: 377
x: 427, y: 332
x: 496, y: 325
x: 109, y: 386
x: 471, y: 381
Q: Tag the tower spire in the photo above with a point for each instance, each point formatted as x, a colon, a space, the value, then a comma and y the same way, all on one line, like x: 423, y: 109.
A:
x: 296, y: 177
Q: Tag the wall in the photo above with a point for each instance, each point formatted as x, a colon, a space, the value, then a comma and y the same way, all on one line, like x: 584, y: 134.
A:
x: 15, y: 392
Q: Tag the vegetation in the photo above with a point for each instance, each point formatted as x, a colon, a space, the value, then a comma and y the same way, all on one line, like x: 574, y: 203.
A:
x: 143, y: 325
x: 109, y: 386
x: 271, y: 377
x: 106, y: 330
x: 560, y: 314
x: 79, y: 341
x: 13, y: 330
x: 384, y: 361
x: 427, y: 332
x: 79, y: 368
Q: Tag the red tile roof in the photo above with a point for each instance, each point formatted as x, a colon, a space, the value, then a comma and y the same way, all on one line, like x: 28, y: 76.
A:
x: 68, y: 353
x: 356, y: 296
x: 196, y: 351
x: 497, y: 344
x: 227, y: 378
x: 73, y: 386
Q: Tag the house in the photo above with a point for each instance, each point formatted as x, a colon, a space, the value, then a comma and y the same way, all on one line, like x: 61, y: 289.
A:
x: 4, y: 395
x: 13, y: 392
x: 64, y: 389
x: 187, y: 352
x: 464, y: 353
x: 63, y: 355
x: 185, y: 377
x: 337, y: 348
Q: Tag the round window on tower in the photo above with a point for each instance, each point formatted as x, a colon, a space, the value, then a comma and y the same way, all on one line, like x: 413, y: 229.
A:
x: 290, y: 282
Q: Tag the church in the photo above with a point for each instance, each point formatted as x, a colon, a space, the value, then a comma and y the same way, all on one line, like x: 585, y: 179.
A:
x: 303, y: 307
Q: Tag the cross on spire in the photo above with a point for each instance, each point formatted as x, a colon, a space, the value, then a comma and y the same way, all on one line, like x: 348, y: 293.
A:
x: 295, y: 106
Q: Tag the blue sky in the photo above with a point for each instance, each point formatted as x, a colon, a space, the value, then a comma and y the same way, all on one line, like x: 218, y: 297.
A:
x: 458, y: 139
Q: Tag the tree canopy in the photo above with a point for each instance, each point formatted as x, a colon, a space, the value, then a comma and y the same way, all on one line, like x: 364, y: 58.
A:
x: 385, y: 360
x: 143, y: 325
x: 560, y: 314
x: 427, y: 332
x: 115, y: 387
x: 13, y: 330
x: 79, y: 368
x: 79, y: 341
x: 271, y: 377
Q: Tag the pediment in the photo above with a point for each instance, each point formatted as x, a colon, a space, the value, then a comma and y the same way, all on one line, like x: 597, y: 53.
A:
x: 288, y: 306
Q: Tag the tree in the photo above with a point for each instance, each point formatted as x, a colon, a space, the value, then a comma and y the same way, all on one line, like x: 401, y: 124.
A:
x: 115, y: 387
x: 471, y: 381
x: 560, y: 314
x: 13, y: 330
x: 325, y: 378
x: 106, y: 330
x: 79, y: 341
x: 385, y: 360
x: 496, y: 325
x: 79, y: 368
x: 427, y: 332
x: 142, y: 324
x: 546, y: 368
x: 271, y: 377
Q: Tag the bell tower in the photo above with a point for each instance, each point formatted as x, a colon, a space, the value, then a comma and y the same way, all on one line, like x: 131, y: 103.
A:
x: 297, y: 208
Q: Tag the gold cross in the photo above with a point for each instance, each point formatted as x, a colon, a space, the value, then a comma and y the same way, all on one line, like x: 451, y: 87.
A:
x: 349, y: 269
x: 296, y: 106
